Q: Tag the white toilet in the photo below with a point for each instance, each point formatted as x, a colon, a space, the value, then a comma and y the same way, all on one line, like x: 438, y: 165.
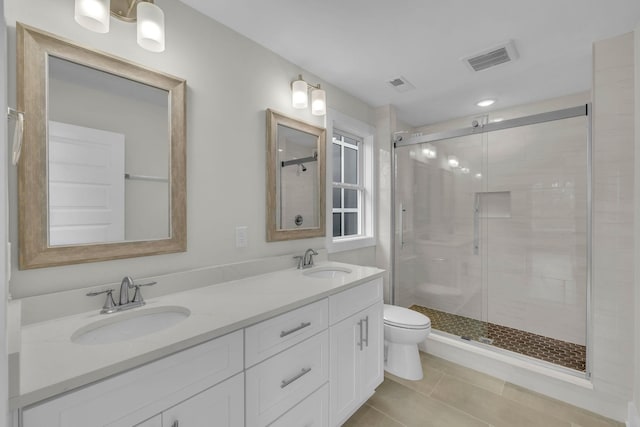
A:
x: 403, y: 330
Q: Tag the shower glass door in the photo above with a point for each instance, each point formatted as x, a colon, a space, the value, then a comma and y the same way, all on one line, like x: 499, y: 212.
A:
x: 492, y: 239
x: 439, y: 233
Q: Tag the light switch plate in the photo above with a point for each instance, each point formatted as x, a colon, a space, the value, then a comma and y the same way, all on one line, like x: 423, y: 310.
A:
x: 241, y: 237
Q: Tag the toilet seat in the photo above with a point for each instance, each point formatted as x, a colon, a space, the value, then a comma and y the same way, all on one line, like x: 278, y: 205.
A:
x: 405, y: 318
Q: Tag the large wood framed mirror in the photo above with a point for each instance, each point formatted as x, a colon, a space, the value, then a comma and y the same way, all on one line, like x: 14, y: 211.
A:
x: 295, y: 178
x: 102, y: 173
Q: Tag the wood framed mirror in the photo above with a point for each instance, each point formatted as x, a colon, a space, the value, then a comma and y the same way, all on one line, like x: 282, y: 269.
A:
x: 102, y: 174
x: 296, y: 172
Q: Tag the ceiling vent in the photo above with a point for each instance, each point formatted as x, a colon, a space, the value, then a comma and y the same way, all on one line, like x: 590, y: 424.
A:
x: 401, y: 84
x: 492, y: 57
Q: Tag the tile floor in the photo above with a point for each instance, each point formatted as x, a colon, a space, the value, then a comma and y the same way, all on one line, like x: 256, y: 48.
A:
x: 450, y: 395
x: 563, y: 353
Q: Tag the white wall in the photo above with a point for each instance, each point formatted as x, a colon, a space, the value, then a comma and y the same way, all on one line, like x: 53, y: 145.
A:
x: 231, y: 81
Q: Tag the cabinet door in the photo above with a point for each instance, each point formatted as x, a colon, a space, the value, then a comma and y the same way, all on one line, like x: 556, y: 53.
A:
x: 372, y: 356
x: 219, y: 406
x: 344, y: 357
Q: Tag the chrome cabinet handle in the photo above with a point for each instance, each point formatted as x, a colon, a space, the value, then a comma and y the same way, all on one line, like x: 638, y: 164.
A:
x: 361, y: 338
x: 296, y: 329
x: 366, y: 340
x: 302, y: 373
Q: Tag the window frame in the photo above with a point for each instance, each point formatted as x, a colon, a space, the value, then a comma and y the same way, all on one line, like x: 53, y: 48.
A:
x: 364, y: 133
x: 359, y: 186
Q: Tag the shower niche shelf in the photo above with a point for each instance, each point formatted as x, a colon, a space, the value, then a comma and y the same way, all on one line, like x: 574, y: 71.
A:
x: 494, y: 204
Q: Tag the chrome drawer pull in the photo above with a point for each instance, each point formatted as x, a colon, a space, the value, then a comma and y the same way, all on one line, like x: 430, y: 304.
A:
x: 302, y: 373
x: 361, y: 336
x: 297, y: 328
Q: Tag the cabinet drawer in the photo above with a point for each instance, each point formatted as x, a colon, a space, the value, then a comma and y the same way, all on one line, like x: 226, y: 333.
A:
x: 352, y: 300
x: 311, y: 412
x: 274, y: 335
x: 134, y: 396
x: 277, y: 384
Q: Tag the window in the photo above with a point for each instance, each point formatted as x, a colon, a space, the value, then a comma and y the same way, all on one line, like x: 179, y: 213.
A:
x: 350, y: 179
x: 347, y: 187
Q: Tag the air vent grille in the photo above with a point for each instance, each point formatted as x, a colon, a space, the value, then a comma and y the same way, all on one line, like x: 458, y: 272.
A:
x: 488, y: 60
x: 401, y: 84
x: 492, y: 57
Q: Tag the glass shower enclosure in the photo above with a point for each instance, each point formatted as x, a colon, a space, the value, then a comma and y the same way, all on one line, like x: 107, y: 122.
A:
x: 492, y: 234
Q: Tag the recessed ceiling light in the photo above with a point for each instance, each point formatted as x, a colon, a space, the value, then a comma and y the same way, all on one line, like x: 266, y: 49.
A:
x: 485, y: 102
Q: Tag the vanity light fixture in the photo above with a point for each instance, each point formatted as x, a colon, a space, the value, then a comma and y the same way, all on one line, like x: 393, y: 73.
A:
x: 94, y: 16
x: 453, y: 161
x: 300, y: 97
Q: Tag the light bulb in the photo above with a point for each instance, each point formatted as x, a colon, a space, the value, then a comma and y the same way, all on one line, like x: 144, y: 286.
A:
x: 299, y: 97
x: 464, y: 170
x: 93, y: 15
x: 430, y: 151
x: 150, y: 27
x: 453, y: 161
x: 318, y: 102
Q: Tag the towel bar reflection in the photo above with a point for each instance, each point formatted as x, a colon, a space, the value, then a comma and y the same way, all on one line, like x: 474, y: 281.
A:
x: 17, y: 133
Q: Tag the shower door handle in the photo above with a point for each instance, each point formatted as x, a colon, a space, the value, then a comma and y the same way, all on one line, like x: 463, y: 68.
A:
x: 402, y: 211
x: 476, y: 225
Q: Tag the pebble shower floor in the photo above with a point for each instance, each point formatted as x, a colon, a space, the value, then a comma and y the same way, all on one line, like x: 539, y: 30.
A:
x: 559, y: 352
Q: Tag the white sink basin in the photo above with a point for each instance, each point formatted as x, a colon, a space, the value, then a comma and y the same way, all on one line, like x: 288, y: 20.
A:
x: 129, y: 325
x: 327, y: 272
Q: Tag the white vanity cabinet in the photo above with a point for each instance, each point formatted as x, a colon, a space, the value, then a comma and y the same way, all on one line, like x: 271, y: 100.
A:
x: 356, y: 343
x: 132, y: 397
x: 312, y: 366
x: 222, y: 406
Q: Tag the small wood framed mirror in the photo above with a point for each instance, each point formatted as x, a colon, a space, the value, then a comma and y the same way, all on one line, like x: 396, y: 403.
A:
x: 296, y: 172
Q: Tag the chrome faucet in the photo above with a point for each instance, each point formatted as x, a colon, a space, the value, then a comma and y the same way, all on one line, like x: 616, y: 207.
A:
x: 124, y: 303
x: 127, y: 282
x: 307, y: 259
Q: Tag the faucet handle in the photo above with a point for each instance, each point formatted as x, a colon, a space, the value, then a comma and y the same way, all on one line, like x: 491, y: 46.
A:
x: 300, y: 259
x: 109, y: 303
x: 137, y: 285
x: 137, y: 295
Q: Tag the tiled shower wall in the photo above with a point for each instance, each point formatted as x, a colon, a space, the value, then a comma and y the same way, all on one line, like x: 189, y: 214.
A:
x: 613, y: 195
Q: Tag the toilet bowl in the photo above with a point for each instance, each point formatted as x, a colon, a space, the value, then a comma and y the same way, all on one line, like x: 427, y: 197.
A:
x: 403, y: 330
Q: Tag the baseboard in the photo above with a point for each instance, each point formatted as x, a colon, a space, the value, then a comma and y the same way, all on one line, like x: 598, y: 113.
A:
x: 633, y: 419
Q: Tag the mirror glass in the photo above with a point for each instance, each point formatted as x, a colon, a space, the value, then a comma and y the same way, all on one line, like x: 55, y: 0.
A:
x: 102, y: 174
x: 295, y: 178
x: 108, y: 157
x: 297, y: 184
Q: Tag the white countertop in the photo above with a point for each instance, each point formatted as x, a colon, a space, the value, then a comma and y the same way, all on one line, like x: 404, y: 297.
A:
x: 50, y: 363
